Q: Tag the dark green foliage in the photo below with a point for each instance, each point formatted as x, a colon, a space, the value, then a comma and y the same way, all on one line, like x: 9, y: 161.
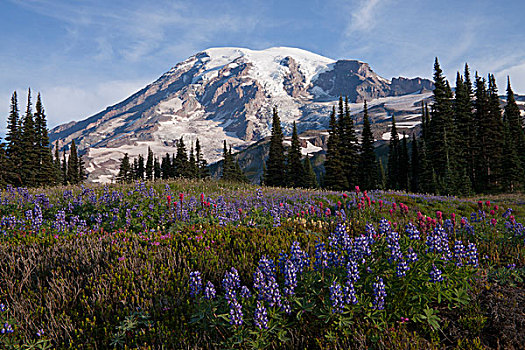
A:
x: 57, y: 166
x: 180, y: 163
x: 29, y: 154
x: 231, y: 170
x: 334, y: 177
x: 202, y: 164
x: 275, y: 165
x: 193, y: 171
x: 157, y: 170
x: 404, y: 165
x: 348, y: 145
x: 310, y: 179
x: 72, y: 175
x: 140, y: 169
x: 166, y: 167
x: 464, y: 120
x: 415, y: 169
x: 394, y: 150
x: 64, y: 168
x: 514, y: 174
x: 513, y: 117
x: 125, y: 173
x: 296, y: 173
x: 368, y: 169
x: 149, y: 165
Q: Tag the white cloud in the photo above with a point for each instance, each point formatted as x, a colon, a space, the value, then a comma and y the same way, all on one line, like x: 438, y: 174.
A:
x: 517, y: 78
x: 364, y: 17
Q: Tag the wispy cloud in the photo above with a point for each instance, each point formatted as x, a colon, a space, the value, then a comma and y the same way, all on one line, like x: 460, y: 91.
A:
x: 363, y: 16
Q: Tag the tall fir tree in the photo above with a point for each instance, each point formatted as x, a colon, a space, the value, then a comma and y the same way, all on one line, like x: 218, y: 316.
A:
x: 166, y: 167
x: 202, y: 164
x: 414, y: 166
x: 72, y: 165
x: 512, y: 116
x: 275, y: 165
x: 442, y: 131
x: 348, y: 145
x: 57, y: 166
x: 13, y: 139
x: 368, y: 170
x: 149, y: 165
x: 463, y: 119
x: 393, y: 174
x: 193, y: 170
x: 404, y: 165
x: 295, y: 171
x: 310, y: 179
x: 64, y: 168
x: 334, y: 177
x: 481, y: 178
x: 45, y: 170
x: 512, y: 180
x: 125, y: 173
x: 28, y: 152
x: 141, y: 169
x: 157, y: 170
x: 228, y: 168
x: 180, y: 162
x: 496, y: 131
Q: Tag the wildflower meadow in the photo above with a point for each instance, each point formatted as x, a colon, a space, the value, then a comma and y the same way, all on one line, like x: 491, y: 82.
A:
x: 203, y: 264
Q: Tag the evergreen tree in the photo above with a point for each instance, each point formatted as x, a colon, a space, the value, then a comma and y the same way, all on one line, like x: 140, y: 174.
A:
x: 141, y: 168
x: 441, y: 137
x: 193, y: 170
x: 463, y: 118
x: 203, y: 170
x: 275, y: 165
x: 334, y: 175
x: 368, y: 171
x: 45, y: 170
x: 157, y: 170
x: 149, y: 165
x: 135, y: 169
x: 166, y: 167
x: 3, y: 165
x: 404, y: 165
x: 513, y: 117
x: 310, y: 179
x: 28, y: 152
x: 57, y: 167
x: 180, y: 162
x: 427, y: 177
x: 481, y: 178
x: 348, y: 146
x: 383, y: 183
x: 393, y: 174
x: 295, y: 171
x: 514, y: 174
x: 414, y: 166
x: 72, y: 165
x: 228, y: 168
x: 125, y: 173
x: 496, y: 131
x: 13, y: 138
x: 64, y: 168
x: 82, y: 175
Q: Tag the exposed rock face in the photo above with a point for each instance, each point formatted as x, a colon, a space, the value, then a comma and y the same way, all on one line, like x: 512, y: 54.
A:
x: 227, y: 94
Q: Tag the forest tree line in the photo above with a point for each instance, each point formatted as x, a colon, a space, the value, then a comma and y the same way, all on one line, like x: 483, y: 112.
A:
x: 26, y: 158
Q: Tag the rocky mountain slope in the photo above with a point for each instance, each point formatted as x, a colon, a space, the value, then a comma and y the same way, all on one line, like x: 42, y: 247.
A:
x: 228, y: 93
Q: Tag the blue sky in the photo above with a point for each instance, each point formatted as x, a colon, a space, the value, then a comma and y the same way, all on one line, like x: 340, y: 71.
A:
x: 84, y: 55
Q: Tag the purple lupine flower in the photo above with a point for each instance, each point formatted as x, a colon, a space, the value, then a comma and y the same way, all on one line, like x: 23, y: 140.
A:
x: 290, y: 278
x: 384, y: 227
x: 349, y: 293
x: 337, y: 297
x: 235, y: 312
x: 298, y: 257
x: 260, y: 318
x: 321, y: 257
x: 411, y: 255
x: 195, y: 283
x: 209, y: 291
x: 392, y: 239
x: 339, y: 239
x: 7, y: 328
x: 412, y: 231
x: 361, y: 249
x: 231, y: 283
x: 272, y: 294
x: 402, y: 268
x: 245, y: 292
x: 435, y: 275
x: 258, y: 279
x: 379, y: 294
x: 472, y: 255
x: 2, y: 307
x: 459, y: 253
x: 352, y: 271
x: 370, y: 232
x: 40, y: 332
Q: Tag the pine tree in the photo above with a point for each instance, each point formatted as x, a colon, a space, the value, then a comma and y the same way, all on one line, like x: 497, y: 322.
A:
x: 334, y: 177
x: 166, y: 167
x: 46, y: 173
x: 393, y: 174
x: 512, y: 116
x: 427, y: 179
x: 203, y: 170
x: 514, y: 172
x: 275, y: 165
x: 57, y: 168
x: 295, y: 171
x: 64, y: 168
x: 368, y: 171
x: 193, y: 170
x: 141, y: 168
x: 463, y: 119
x: 135, y: 169
x: 442, y: 132
x: 348, y: 146
x: 72, y: 165
x: 496, y: 130
x: 180, y: 162
x: 414, y: 166
x: 149, y: 165
x: 125, y: 173
x: 82, y: 175
x: 3, y: 165
x: 481, y: 178
x: 404, y: 165
x: 157, y: 170
x: 28, y: 152
x: 310, y: 179
x: 13, y: 139
x: 228, y: 168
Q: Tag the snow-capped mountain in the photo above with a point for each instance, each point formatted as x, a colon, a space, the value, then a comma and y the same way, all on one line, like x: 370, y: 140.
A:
x: 228, y: 94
